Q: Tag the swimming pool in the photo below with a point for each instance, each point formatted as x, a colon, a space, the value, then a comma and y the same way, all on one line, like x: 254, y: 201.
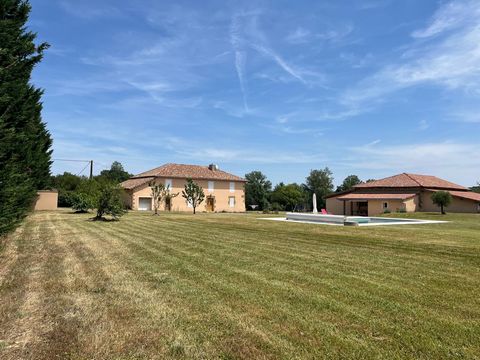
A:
x: 341, y: 220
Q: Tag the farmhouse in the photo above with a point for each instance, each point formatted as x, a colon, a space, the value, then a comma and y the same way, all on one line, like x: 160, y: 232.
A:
x: 403, y: 192
x: 223, y: 191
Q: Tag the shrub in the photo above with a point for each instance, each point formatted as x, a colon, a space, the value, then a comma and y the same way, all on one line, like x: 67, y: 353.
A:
x: 386, y: 211
x: 82, y: 203
x: 64, y: 198
x: 276, y: 207
x: 109, y: 202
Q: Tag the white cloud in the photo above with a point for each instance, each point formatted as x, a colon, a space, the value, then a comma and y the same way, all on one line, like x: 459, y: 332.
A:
x: 452, y: 63
x: 243, y: 156
x: 283, y: 119
x: 302, y: 36
x: 240, y: 57
x: 467, y: 116
x: 299, y: 36
x: 371, y: 144
x: 443, y: 159
x: 335, y: 34
x: 357, y: 61
x: 85, y: 86
x: 296, y: 130
x: 90, y: 10
x: 65, y: 148
x: 246, y: 36
x: 280, y: 61
x: 451, y: 15
x: 374, y: 4
x: 240, y: 66
x: 423, y: 125
x: 190, y: 150
x: 232, y: 109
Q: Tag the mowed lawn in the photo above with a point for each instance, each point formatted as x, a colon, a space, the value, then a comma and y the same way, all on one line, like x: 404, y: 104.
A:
x: 235, y: 287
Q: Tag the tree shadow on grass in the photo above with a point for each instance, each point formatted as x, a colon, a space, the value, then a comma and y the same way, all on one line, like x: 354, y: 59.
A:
x: 103, y: 219
x: 78, y: 212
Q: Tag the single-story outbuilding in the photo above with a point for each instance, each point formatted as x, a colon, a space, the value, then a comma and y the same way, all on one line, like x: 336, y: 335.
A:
x: 223, y: 191
x: 402, y: 192
x: 46, y: 200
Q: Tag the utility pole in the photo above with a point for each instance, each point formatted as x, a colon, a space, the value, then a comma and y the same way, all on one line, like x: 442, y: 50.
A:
x: 91, y: 169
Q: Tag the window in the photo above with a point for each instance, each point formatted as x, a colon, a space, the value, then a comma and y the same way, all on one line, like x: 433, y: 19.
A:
x: 231, y: 201
x: 232, y: 187
x: 211, y: 185
x: 168, y: 184
x: 385, y: 205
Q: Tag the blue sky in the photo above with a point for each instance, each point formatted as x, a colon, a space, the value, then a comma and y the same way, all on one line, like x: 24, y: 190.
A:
x: 375, y: 88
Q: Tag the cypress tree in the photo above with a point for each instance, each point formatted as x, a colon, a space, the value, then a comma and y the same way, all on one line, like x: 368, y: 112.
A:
x: 25, y: 143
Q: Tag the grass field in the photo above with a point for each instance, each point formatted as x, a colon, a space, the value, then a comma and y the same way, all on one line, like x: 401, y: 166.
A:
x: 233, y: 287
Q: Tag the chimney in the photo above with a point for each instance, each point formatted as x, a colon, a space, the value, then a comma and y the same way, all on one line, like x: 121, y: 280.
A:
x: 213, y: 167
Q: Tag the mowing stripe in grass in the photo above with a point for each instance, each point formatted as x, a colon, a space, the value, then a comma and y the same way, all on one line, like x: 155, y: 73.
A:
x: 149, y: 269
x: 234, y: 287
x: 357, y: 278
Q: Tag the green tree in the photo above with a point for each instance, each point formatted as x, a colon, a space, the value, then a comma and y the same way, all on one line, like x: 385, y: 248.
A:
x: 320, y: 182
x: 348, y: 183
x: 82, y: 203
x: 257, y: 190
x: 25, y: 144
x: 85, y: 196
x: 193, y: 194
x: 66, y: 184
x: 116, y: 173
x: 109, y: 202
x: 476, y: 188
x: 288, y: 196
x: 442, y: 199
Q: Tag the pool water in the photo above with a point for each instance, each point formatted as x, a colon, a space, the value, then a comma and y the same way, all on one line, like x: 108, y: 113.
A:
x: 351, y: 220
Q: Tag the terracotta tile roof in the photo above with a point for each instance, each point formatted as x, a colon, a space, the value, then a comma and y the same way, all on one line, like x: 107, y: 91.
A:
x: 180, y: 171
x: 133, y: 182
x: 470, y: 195
x: 412, y: 180
x: 356, y: 196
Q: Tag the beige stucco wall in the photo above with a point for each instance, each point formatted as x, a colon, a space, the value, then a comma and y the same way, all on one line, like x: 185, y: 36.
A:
x: 221, y: 192
x: 46, y: 200
x: 375, y: 207
x: 458, y: 205
x: 422, y: 202
x: 411, y: 205
x: 335, y: 206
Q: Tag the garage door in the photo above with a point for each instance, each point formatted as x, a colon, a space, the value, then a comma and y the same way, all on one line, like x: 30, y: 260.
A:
x: 145, y: 203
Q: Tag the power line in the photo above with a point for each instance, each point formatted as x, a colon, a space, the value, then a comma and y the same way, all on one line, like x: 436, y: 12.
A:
x: 75, y: 160
x: 89, y: 162
x: 83, y: 169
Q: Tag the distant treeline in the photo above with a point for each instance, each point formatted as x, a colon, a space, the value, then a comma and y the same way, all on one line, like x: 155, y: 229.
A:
x: 260, y: 195
x: 70, y: 185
